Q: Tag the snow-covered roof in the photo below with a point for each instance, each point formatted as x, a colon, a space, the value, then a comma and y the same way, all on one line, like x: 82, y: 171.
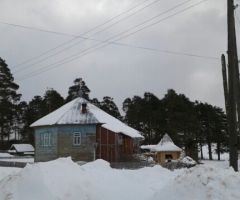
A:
x: 71, y: 113
x: 166, y: 144
x: 149, y: 147
x: 22, y: 147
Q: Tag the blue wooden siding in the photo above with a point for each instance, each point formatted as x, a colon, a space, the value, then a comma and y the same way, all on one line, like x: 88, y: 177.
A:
x: 62, y: 142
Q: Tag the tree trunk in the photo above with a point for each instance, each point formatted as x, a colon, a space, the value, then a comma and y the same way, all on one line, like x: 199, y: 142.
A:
x: 201, y: 150
x: 209, y: 149
x: 2, y: 136
x: 218, y: 150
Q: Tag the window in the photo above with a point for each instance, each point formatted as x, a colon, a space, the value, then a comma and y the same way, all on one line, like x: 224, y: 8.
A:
x: 77, y: 138
x: 46, y: 140
x: 168, y: 156
x: 50, y: 139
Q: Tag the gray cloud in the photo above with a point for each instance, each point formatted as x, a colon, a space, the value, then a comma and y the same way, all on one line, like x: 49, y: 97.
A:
x: 119, y: 71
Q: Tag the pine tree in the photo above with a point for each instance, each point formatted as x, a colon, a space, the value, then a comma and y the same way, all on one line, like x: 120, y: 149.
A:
x: 53, y: 100
x: 213, y: 128
x: 147, y: 115
x: 110, y: 107
x: 8, y: 99
x: 74, y: 89
x: 182, y: 121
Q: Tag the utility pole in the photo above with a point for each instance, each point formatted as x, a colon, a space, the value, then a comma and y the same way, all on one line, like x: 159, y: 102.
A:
x: 232, y: 81
x: 225, y: 84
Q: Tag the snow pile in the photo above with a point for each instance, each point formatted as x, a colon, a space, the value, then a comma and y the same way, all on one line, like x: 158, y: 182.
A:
x: 187, y: 160
x: 6, y: 171
x: 202, y: 182
x: 64, y: 179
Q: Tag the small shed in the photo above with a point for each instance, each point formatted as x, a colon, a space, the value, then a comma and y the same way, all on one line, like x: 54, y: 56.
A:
x: 21, y: 149
x: 166, y: 150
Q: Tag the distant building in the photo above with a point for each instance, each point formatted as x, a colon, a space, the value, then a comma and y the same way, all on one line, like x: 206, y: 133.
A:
x: 21, y: 149
x: 165, y: 150
x: 83, y: 131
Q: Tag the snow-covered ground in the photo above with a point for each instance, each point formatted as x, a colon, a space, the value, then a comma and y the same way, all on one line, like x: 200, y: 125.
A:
x: 223, y: 156
x: 63, y: 179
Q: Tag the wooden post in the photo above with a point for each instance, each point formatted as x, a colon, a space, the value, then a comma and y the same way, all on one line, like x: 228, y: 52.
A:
x: 225, y: 85
x: 232, y: 127
x: 237, y: 83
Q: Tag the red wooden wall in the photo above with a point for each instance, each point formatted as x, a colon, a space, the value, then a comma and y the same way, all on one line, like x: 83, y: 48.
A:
x: 109, y: 148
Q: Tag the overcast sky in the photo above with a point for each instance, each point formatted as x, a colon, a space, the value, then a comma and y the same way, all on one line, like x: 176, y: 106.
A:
x: 116, y: 70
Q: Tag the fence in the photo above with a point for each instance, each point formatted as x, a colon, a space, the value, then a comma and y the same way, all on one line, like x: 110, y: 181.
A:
x: 176, y: 165
x: 12, y: 164
x: 137, y: 165
x: 16, y: 157
x: 130, y: 165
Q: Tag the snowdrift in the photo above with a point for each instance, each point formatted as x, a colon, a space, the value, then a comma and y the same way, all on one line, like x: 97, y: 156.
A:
x: 202, y: 182
x: 63, y: 179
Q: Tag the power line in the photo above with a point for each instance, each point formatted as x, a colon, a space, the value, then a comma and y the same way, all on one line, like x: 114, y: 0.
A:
x: 237, y: 17
x: 86, y: 38
x: 67, y: 34
x: 106, y: 41
x: 49, y: 67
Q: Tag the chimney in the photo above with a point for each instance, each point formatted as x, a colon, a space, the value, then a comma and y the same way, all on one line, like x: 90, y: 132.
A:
x: 84, y: 108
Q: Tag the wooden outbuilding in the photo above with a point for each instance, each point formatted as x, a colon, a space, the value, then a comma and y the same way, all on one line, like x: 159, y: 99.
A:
x: 21, y: 149
x: 165, y: 150
x: 83, y: 131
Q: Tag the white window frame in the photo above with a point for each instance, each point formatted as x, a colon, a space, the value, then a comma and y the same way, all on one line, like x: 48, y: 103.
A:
x: 77, y: 138
x: 49, y: 139
x: 46, y: 140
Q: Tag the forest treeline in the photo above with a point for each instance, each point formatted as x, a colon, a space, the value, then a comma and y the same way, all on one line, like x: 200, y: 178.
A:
x: 190, y: 124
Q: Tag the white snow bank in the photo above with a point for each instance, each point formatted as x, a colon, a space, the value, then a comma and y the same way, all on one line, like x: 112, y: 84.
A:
x: 98, y: 164
x: 6, y: 171
x: 202, y: 182
x: 64, y: 179
x: 187, y: 160
x: 5, y: 155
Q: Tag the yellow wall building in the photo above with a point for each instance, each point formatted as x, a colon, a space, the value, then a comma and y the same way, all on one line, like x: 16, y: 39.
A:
x: 165, y: 150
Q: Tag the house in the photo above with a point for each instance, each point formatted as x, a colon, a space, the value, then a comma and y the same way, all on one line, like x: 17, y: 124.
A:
x: 165, y: 150
x: 21, y: 149
x: 83, y: 131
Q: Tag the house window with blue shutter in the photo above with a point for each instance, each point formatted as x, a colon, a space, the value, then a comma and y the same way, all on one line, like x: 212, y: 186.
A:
x: 46, y: 140
x: 77, y: 138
